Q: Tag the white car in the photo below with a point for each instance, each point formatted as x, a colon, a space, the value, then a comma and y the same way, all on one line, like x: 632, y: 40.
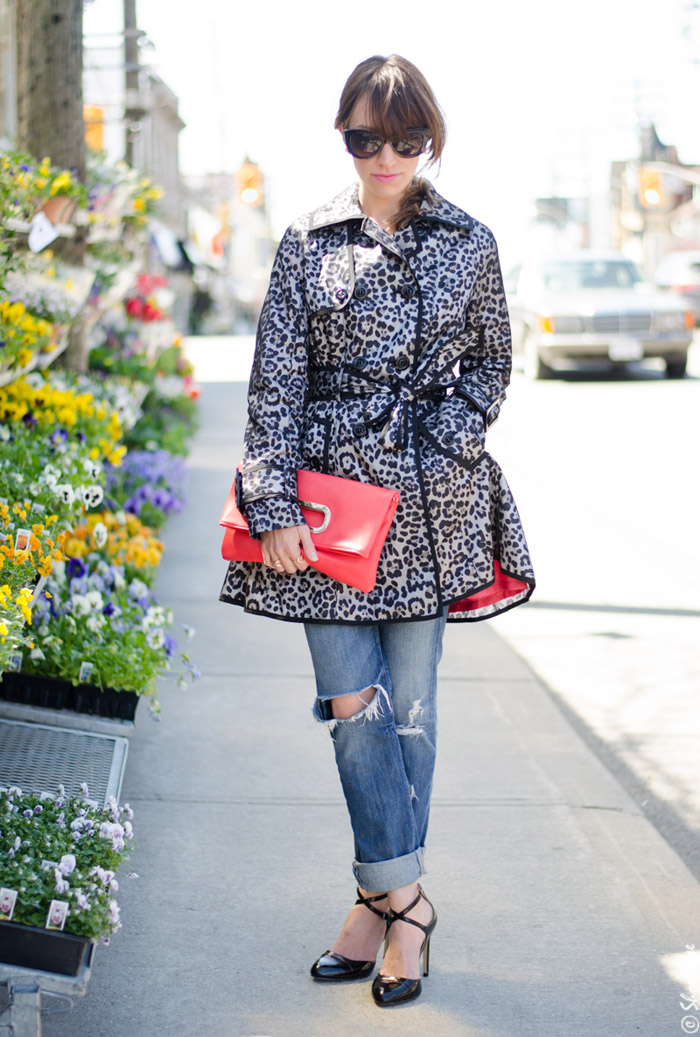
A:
x: 594, y: 306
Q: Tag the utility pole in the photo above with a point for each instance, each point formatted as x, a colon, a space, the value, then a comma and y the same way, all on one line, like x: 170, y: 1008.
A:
x: 132, y: 112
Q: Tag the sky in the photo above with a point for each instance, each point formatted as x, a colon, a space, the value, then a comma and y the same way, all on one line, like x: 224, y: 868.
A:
x: 539, y: 97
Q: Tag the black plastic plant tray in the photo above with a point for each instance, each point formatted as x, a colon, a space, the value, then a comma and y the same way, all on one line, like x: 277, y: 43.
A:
x: 45, y: 949
x: 33, y: 689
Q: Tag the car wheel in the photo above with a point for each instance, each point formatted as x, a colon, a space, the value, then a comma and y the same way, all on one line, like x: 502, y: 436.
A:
x: 533, y: 364
x: 677, y: 366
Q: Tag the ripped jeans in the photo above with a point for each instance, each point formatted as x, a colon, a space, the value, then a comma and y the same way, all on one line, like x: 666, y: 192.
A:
x: 386, y: 752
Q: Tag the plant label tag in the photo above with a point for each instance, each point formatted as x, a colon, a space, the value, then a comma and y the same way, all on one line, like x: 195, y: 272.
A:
x: 58, y: 912
x: 14, y: 663
x: 22, y: 539
x: 85, y: 672
x: 8, y: 899
x: 42, y: 232
x: 40, y: 584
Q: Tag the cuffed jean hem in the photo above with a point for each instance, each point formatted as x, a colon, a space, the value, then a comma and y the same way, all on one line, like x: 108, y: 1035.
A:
x: 380, y: 876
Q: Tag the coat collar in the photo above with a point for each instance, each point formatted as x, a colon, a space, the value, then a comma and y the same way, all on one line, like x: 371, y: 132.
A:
x: 345, y: 206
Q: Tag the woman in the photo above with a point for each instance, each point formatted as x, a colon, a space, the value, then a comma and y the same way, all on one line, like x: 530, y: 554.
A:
x: 383, y: 354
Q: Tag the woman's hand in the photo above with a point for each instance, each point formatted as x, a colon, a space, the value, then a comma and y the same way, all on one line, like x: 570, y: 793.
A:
x: 282, y: 549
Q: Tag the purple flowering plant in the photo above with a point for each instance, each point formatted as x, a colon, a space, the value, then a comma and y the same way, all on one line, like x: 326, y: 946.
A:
x: 92, y: 612
x: 150, y: 484
x: 64, y: 847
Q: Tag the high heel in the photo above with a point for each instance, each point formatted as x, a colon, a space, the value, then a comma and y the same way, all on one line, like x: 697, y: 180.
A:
x: 395, y: 990
x: 335, y: 968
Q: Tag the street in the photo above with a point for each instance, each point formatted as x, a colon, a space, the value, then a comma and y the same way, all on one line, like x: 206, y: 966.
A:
x: 605, y: 472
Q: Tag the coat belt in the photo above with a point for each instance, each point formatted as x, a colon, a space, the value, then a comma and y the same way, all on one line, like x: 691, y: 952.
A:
x: 395, y: 401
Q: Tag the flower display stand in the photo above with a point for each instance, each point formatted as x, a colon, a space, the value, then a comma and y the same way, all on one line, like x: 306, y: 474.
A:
x: 36, y: 962
x: 25, y: 987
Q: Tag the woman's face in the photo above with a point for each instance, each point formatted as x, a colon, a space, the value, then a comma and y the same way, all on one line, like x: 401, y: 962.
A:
x: 386, y: 176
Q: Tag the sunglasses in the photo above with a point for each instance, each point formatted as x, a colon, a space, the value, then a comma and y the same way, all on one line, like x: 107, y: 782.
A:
x: 367, y: 143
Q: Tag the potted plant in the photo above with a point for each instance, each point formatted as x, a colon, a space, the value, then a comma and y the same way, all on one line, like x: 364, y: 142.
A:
x: 59, y: 855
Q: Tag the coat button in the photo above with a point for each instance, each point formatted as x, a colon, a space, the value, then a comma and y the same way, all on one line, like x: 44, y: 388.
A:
x: 407, y: 290
x: 449, y: 438
x: 361, y: 291
x: 402, y: 363
x: 359, y: 429
x: 341, y: 294
x: 359, y: 363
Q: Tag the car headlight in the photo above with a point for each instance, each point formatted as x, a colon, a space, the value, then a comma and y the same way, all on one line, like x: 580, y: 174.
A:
x: 561, y: 325
x: 673, y: 320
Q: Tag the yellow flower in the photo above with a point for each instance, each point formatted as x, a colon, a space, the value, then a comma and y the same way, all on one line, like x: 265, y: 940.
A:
x: 16, y: 312
x: 40, y: 182
x: 66, y: 415
x: 3, y: 628
x: 62, y: 181
x: 23, y: 357
x: 139, y: 205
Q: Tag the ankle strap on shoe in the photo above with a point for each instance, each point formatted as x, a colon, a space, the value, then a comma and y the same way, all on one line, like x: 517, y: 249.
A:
x: 400, y: 916
x: 368, y: 901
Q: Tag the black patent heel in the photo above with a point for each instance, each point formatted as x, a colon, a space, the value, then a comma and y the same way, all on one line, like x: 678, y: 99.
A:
x: 396, y: 990
x: 336, y: 968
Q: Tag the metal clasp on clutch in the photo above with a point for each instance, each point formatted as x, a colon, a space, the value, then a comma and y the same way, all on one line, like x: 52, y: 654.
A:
x: 326, y: 512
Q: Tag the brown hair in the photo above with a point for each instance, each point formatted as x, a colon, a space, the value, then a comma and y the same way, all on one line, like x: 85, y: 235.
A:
x: 398, y: 97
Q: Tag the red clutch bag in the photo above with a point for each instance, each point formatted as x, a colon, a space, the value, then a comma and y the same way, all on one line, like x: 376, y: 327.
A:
x: 355, y: 519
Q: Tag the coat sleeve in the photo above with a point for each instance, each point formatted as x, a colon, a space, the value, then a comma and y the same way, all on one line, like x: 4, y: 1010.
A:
x: 276, y: 397
x: 484, y: 370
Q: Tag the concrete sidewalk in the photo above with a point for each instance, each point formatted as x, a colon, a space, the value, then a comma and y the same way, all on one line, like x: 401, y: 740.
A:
x: 561, y: 910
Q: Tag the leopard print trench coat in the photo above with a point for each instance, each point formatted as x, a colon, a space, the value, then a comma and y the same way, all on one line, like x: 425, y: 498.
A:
x: 385, y: 358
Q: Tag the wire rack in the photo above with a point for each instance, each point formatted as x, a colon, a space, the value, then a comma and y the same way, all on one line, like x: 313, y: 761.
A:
x: 38, y: 758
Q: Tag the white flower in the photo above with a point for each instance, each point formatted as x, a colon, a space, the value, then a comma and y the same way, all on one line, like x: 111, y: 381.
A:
x: 95, y: 623
x: 81, y: 900
x: 4, y: 433
x: 95, y: 599
x: 119, y: 581
x: 65, y: 493
x: 155, y: 638
x: 114, y: 913
x: 91, y: 469
x: 80, y: 606
x: 91, y: 496
x: 137, y: 589
x: 67, y: 863
x: 155, y: 616
x: 100, y: 534
x: 37, y: 654
x: 61, y: 885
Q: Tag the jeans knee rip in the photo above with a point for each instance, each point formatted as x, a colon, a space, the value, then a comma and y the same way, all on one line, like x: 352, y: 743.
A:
x: 412, y: 728
x: 372, y: 711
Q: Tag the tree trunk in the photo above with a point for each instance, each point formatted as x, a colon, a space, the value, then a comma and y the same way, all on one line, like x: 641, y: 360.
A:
x: 50, y: 109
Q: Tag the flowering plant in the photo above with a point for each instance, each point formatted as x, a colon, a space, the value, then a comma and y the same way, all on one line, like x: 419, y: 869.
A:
x: 150, y: 484
x: 21, y: 333
x: 46, y: 404
x: 46, y: 479
x: 63, y: 847
x: 120, y: 538
x: 50, y: 288
x: 118, y: 195
x: 93, y: 613
x: 15, y: 611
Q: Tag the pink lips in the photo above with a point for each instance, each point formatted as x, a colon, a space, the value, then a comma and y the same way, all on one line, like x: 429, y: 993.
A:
x: 385, y: 178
